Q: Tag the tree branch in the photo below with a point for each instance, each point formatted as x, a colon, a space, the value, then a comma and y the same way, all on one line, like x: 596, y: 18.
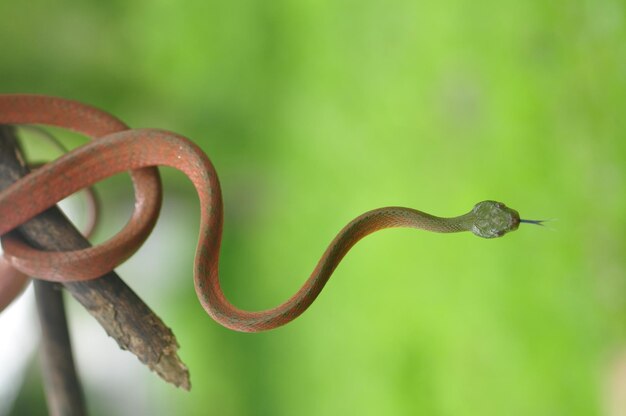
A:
x: 64, y: 393
x: 119, y: 310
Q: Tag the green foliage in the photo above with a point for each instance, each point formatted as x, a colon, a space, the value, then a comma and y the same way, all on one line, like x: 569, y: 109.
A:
x: 315, y: 111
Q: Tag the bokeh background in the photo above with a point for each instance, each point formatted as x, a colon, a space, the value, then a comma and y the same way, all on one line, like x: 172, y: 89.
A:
x: 313, y: 112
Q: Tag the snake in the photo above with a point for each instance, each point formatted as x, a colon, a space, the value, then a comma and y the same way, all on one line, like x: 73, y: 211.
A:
x: 115, y: 148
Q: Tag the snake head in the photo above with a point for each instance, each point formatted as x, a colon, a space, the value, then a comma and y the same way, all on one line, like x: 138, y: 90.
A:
x: 493, y: 219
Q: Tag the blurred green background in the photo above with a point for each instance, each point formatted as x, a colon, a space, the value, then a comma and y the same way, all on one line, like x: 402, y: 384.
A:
x: 315, y: 111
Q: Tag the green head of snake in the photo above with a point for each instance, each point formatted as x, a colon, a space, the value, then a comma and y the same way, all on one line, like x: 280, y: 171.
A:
x: 491, y: 219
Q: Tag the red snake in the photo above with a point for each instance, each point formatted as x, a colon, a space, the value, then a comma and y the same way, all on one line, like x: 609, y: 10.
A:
x: 115, y: 148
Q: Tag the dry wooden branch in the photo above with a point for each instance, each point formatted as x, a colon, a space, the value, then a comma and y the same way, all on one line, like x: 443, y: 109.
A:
x: 123, y: 315
x: 64, y: 393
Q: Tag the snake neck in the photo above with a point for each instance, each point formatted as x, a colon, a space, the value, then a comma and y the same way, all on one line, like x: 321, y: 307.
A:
x: 435, y: 224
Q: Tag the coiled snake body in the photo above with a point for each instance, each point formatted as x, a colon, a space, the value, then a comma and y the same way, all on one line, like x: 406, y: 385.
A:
x: 116, y: 148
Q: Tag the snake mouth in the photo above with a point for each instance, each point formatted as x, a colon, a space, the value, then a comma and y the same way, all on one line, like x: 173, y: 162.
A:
x: 515, y: 222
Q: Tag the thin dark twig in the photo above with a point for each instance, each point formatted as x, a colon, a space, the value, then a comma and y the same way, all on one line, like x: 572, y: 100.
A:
x: 64, y: 393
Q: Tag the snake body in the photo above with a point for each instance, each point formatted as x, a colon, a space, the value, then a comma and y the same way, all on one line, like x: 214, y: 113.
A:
x: 115, y: 148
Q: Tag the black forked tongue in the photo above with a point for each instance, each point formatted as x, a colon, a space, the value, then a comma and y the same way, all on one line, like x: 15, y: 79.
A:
x: 536, y: 222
